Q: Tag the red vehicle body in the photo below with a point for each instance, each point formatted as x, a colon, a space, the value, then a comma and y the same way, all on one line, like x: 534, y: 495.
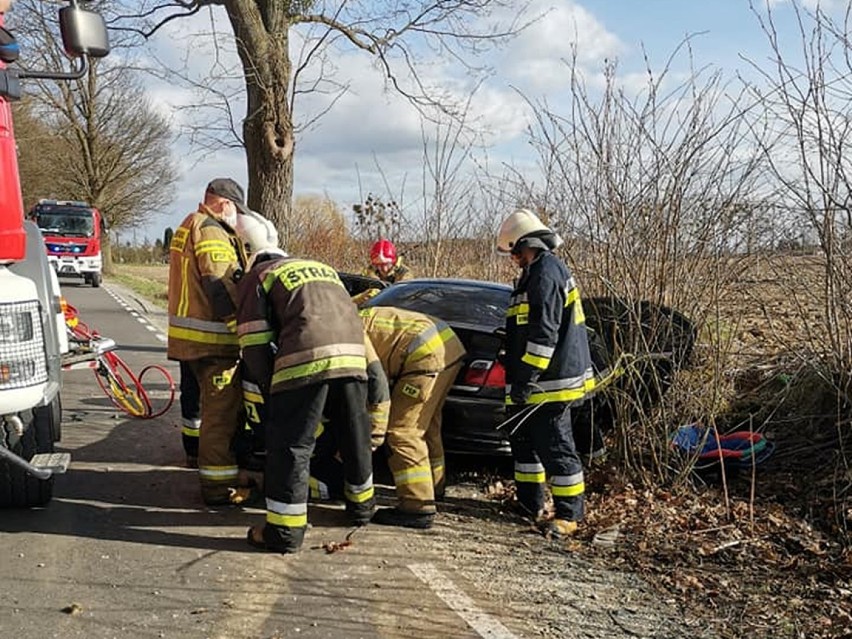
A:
x: 72, y: 235
x: 12, y: 235
x: 33, y: 336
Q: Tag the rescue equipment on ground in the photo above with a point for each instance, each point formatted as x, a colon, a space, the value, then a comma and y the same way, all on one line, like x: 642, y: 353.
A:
x: 124, y: 389
x: 737, y: 450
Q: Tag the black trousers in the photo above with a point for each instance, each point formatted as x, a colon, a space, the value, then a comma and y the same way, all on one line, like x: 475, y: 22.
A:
x: 291, y: 427
x: 543, y: 447
x: 190, y: 409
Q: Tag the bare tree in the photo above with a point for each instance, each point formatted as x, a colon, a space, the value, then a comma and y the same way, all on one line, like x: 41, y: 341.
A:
x: 653, y: 190
x: 39, y: 155
x: 111, y: 148
x: 396, y: 34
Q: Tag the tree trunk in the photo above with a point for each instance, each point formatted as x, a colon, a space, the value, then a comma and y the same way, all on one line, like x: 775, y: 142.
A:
x: 262, y: 29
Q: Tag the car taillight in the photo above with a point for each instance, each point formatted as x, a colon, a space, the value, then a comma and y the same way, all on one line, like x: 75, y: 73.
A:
x: 485, y: 372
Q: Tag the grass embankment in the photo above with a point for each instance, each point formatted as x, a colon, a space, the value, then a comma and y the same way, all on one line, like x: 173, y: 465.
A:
x: 149, y: 281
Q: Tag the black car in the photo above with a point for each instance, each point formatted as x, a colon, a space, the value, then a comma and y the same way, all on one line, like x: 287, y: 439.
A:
x: 476, y: 311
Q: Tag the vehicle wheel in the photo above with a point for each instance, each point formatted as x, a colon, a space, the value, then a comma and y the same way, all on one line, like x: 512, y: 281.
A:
x: 54, y: 417
x: 96, y: 280
x: 19, y: 489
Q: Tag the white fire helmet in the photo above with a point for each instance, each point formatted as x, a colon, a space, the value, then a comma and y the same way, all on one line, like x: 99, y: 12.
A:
x: 518, y: 225
x: 258, y: 235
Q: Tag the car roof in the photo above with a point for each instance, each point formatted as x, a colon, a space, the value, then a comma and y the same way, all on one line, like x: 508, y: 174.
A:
x: 444, y: 281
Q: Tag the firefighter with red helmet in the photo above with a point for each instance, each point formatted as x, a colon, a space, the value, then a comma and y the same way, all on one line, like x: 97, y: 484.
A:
x: 386, y: 264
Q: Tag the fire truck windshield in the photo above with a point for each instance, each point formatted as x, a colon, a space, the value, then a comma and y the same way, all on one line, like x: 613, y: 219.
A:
x: 70, y: 222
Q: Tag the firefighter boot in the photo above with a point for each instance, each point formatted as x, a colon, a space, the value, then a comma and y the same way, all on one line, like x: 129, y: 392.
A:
x: 558, y: 528
x: 397, y: 517
x: 360, y: 514
x: 268, y: 539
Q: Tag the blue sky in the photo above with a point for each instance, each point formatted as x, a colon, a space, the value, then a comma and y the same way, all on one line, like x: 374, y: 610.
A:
x: 339, y: 156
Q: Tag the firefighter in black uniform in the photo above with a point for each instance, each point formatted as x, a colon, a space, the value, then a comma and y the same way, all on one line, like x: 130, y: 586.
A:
x: 548, y: 369
x: 302, y: 341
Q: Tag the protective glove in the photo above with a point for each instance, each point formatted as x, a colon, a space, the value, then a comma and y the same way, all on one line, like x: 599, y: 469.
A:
x: 521, y: 392
x: 524, y: 385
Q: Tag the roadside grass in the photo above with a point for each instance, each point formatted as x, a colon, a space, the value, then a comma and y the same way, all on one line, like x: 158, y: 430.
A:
x: 149, y: 281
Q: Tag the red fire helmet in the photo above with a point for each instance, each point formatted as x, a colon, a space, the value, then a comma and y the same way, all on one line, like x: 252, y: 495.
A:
x: 383, y: 252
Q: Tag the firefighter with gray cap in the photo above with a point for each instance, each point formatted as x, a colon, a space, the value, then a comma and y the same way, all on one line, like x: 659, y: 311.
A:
x: 548, y: 370
x: 206, y: 259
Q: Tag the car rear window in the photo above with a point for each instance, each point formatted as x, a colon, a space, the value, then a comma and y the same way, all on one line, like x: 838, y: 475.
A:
x: 453, y: 303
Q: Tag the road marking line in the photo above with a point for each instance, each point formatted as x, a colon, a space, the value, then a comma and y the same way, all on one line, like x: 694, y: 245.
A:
x: 134, y: 313
x: 482, y: 623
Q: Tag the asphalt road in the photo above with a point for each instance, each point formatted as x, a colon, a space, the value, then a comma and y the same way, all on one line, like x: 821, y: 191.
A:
x: 126, y: 548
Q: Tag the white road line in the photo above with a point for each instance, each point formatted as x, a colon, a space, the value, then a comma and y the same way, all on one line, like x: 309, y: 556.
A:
x: 484, y: 624
x: 134, y: 313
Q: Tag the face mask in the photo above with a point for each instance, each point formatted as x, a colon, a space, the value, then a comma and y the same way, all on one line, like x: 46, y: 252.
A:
x: 231, y: 219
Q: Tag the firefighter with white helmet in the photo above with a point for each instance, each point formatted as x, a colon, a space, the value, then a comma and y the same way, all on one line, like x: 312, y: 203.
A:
x: 303, y: 345
x: 548, y: 369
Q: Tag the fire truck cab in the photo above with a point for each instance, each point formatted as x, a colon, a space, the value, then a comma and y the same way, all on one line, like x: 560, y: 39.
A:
x: 72, y: 232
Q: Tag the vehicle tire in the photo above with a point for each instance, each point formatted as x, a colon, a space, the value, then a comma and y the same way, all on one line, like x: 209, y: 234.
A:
x: 19, y: 489
x: 54, y: 415
x: 96, y: 280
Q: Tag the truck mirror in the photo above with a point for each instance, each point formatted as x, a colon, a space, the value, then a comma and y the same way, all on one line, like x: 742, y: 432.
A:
x: 83, y: 32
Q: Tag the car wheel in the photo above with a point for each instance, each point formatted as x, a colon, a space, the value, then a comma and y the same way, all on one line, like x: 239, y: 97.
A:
x: 19, y: 489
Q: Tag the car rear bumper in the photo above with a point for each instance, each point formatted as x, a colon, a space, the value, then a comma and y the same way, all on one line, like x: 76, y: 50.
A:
x: 470, y: 426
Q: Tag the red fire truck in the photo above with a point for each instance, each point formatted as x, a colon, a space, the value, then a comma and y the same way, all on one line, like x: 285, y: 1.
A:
x: 32, y: 325
x: 72, y: 235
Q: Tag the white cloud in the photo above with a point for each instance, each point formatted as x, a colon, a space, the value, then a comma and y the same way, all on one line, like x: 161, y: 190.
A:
x: 538, y: 59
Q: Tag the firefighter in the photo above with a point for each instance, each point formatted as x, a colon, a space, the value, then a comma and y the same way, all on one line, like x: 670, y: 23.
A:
x: 206, y: 259
x: 385, y: 265
x: 421, y: 357
x: 548, y: 369
x: 303, y: 343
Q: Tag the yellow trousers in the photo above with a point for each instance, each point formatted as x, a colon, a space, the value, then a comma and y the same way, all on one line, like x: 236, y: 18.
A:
x: 414, y: 438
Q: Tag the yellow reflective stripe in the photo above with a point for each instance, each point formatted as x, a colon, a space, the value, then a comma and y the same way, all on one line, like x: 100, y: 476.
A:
x: 183, y: 304
x: 437, y: 463
x: 252, y: 396
x: 213, y: 246
x: 203, y: 337
x: 573, y: 296
x: 518, y: 309
x: 377, y: 414
x: 232, y: 325
x: 535, y: 360
x: 257, y: 339
x: 565, y: 395
x: 218, y: 473
x: 190, y: 432
x: 359, y: 497
x: 320, y: 366
x: 431, y: 345
x: 413, y: 475
x: 568, y: 491
x: 288, y: 521
x: 530, y: 478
